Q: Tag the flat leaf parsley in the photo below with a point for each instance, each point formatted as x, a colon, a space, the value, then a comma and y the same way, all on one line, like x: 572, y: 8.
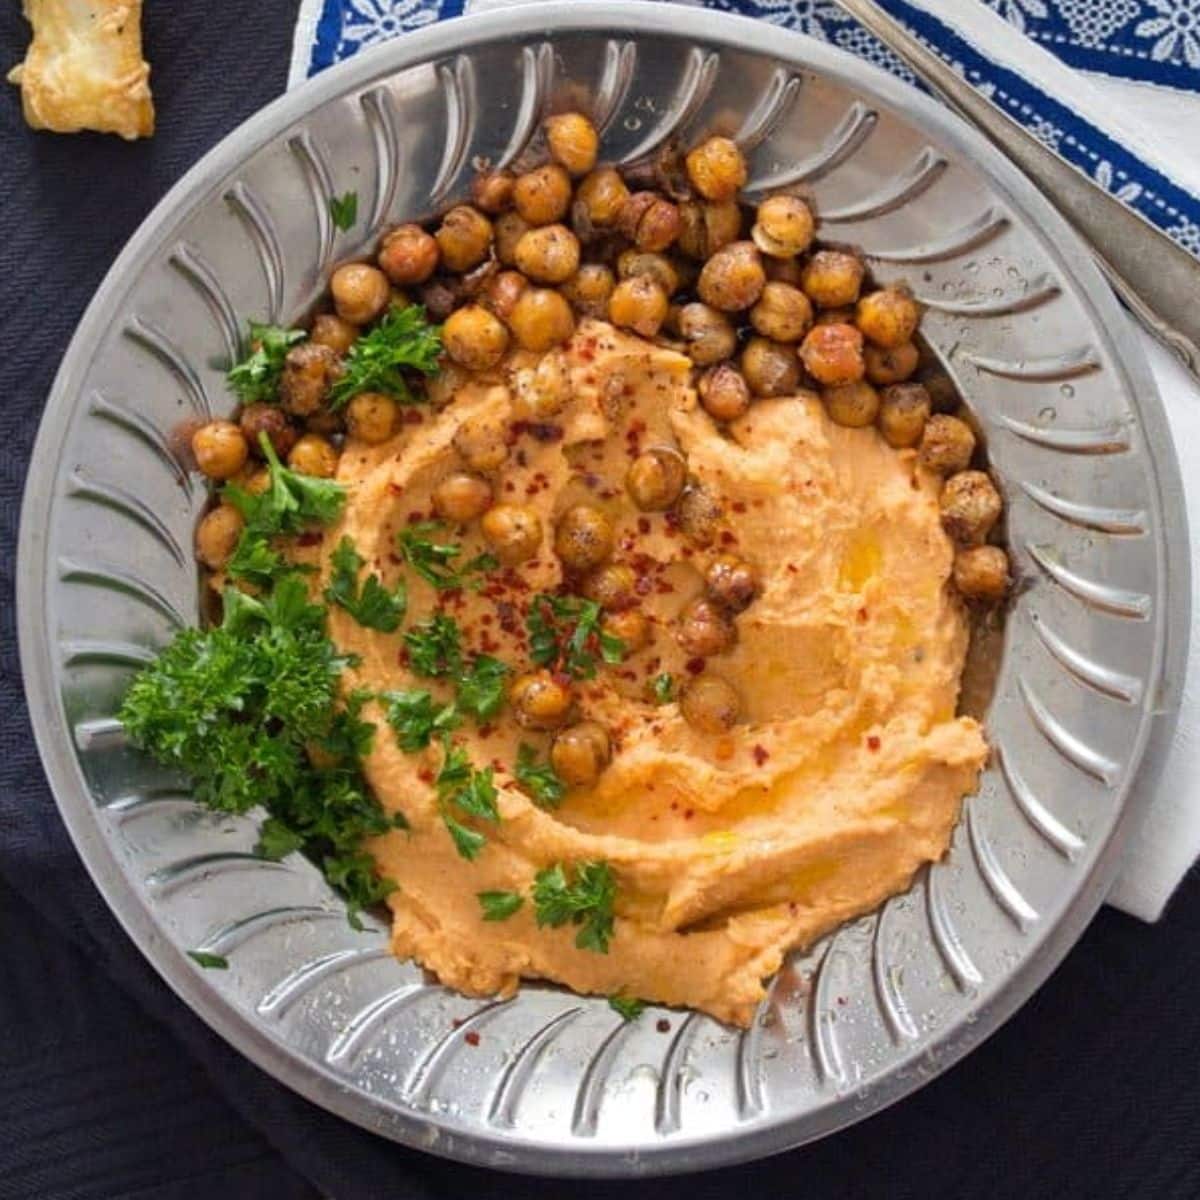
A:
x: 255, y: 379
x: 344, y: 210
x: 404, y: 340
x: 586, y: 901
x: 540, y: 780
x: 565, y: 631
x: 432, y: 559
x: 473, y: 793
x: 499, y: 906
x: 372, y: 605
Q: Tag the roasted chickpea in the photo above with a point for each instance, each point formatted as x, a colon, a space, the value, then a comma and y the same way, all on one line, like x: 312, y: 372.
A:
x: 573, y: 142
x: 649, y: 221
x: 731, y: 583
x: 632, y: 263
x: 589, y: 289
x: 888, y: 317
x: 461, y: 497
x: 724, y: 392
x: 981, y: 572
x: 708, y: 335
x: 784, y: 270
x: 255, y: 481
x: 408, y: 255
x: 655, y: 478
x: 710, y: 705
x: 441, y: 296
x: 783, y: 226
x: 360, y: 292
x: 580, y: 753
x: 639, y: 304
x: 947, y: 444
x: 733, y: 278
x: 258, y: 419
x: 464, y: 238
x: 704, y: 630
x: 892, y: 365
x: 584, y: 538
x: 482, y: 440
x: 541, y: 391
x: 903, y: 410
x: 509, y: 229
x: 832, y: 278
x: 832, y: 354
x: 502, y: 292
x: 220, y: 449
x: 309, y: 371
x: 783, y: 313
x: 613, y: 586
x: 541, y: 318
x: 513, y: 532
x: 698, y: 515
x: 599, y: 202
x: 970, y: 506
x: 492, y: 191
x: 770, y: 368
x: 330, y: 330
x: 548, y: 254
x: 314, y: 455
x: 217, y: 536
x: 717, y: 169
x: 324, y: 422
x: 372, y: 417
x: 704, y: 228
x: 631, y: 625
x: 543, y: 195
x: 540, y: 701
x: 475, y: 338
x: 855, y: 405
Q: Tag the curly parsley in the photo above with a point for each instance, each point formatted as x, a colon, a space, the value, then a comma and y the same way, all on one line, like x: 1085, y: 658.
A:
x: 402, y: 341
x: 586, y: 901
x: 255, y: 379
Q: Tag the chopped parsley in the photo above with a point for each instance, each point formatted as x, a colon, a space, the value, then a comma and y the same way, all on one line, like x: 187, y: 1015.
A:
x: 499, y: 906
x: 565, y: 630
x: 432, y: 559
x: 473, y: 793
x: 416, y: 717
x: 435, y: 646
x: 586, y: 901
x: 216, y: 962
x: 255, y: 379
x: 402, y: 341
x: 344, y: 210
x: 481, y: 687
x: 630, y: 1007
x: 540, y: 780
x: 663, y: 688
x: 372, y: 606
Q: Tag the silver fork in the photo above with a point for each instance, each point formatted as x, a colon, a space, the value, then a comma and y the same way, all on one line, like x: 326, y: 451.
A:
x: 1158, y: 280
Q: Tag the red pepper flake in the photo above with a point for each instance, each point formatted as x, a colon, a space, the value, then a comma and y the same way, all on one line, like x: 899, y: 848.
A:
x: 486, y: 619
x: 738, y: 506
x: 509, y: 486
x: 727, y: 538
x: 643, y: 525
x: 862, y: 615
x: 695, y: 666
x: 415, y: 516
x: 456, y: 1022
x: 412, y: 416
x: 643, y: 585
x: 760, y: 754
x: 688, y: 813
x: 522, y: 458
x: 394, y: 558
x: 395, y: 489
x: 663, y: 1025
x: 664, y: 587
x: 311, y: 537
x: 425, y: 775
x: 873, y: 742
x: 587, y: 353
x: 793, y: 569
x: 471, y: 1038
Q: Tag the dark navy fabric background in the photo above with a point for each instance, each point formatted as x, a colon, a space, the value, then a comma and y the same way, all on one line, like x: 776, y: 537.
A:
x: 110, y: 1088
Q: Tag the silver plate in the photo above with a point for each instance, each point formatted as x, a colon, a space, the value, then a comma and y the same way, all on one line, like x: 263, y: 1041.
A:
x: 1091, y: 667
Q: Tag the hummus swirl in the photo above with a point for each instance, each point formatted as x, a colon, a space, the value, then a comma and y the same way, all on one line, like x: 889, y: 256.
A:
x: 846, y: 771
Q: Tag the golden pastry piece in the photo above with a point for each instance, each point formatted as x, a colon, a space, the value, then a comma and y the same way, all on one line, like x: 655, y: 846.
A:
x: 84, y: 68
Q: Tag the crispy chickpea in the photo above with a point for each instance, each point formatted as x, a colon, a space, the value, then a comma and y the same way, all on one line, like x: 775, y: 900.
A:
x: 717, y: 169
x: 217, y: 536
x: 613, y: 586
x: 474, y: 338
x: 639, y: 304
x: 257, y: 419
x: 599, y: 202
x: 548, y: 254
x: 704, y: 630
x: 981, y: 572
x: 492, y: 191
x: 372, y: 417
x: 832, y: 278
x: 710, y: 705
x: 784, y: 270
x: 783, y: 226
x: 441, y: 296
x: 509, y: 229
x: 360, y: 293
x: 631, y: 625
x: 708, y: 335
x: 513, y: 532
x: 220, y: 449
x: 589, y: 289
x: 632, y: 263
x: 540, y: 392
x: 584, y: 538
x: 540, y: 701
x: 655, y: 478
x: 482, y: 440
x: 461, y: 497
x: 309, y: 371
x: 855, y: 405
x: 947, y: 444
x: 541, y: 318
x: 464, y: 237
x: 330, y: 330
x: 704, y: 228
x: 314, y: 455
x: 502, y: 292
x: 832, y: 354
x: 580, y: 753
x: 891, y: 365
x: 970, y: 506
x: 649, y: 221
x: 733, y: 278
x: 573, y: 142
x: 770, y: 368
x: 724, y: 392
x: 731, y: 583
x: 903, y: 410
x: 543, y: 195
x: 698, y: 515
x: 783, y: 313
x: 888, y: 317
x: 325, y: 422
x: 408, y: 255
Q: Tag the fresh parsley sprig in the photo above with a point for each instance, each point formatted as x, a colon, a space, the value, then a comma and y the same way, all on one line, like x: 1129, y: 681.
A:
x: 540, y: 780
x: 344, y: 210
x: 585, y: 900
x: 469, y: 791
x: 404, y: 340
x: 499, y: 906
x: 630, y: 1007
x: 416, y: 717
x: 372, y: 605
x: 432, y: 560
x: 435, y: 647
x: 566, y: 631
x: 255, y: 379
